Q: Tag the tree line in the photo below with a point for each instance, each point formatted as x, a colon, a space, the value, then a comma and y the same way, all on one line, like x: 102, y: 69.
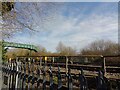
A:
x: 98, y: 47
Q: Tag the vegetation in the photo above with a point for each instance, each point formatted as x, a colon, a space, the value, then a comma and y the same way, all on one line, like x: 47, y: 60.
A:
x: 6, y: 7
x: 65, y: 50
x: 101, y: 47
x: 17, y: 16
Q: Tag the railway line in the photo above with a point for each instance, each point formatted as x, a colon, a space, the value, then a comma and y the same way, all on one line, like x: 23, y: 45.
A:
x: 110, y: 69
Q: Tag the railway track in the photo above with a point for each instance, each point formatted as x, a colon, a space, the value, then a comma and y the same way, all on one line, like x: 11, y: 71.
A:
x: 109, y: 69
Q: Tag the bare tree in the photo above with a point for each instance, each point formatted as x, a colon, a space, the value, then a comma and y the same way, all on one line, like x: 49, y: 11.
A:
x: 101, y: 47
x: 61, y: 47
x: 12, y: 53
x: 31, y: 15
x: 65, y: 50
x: 42, y: 50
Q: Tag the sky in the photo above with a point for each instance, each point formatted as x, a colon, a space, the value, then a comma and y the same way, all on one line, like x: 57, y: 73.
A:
x: 64, y: 0
x: 76, y: 24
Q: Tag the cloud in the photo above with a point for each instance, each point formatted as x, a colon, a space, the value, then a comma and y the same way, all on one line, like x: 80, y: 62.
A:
x: 78, y: 34
x: 77, y: 29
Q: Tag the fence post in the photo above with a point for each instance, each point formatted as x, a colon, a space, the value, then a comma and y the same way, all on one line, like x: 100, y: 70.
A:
x: 104, y: 66
x: 40, y: 65
x: 101, y: 84
x: 109, y: 84
x: 38, y: 73
x: 59, y: 79
x: 9, y: 73
x: 16, y: 72
x: 29, y: 72
x: 19, y: 73
x: 53, y: 59
x: 118, y: 84
x: 66, y: 64
x: 24, y: 76
x: 33, y: 78
x: 12, y: 75
x: 44, y: 77
x: 83, y: 81
x: 51, y: 78
x: 70, y: 85
x: 10, y: 68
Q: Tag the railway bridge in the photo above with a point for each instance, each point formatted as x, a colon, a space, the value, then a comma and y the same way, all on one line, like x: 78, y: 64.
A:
x: 19, y: 45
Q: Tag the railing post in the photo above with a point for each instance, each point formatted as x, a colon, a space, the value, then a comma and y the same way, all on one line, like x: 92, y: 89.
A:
x: 53, y: 59
x: 70, y: 84
x: 59, y: 79
x: 66, y: 64
x: 109, y: 85
x: 29, y: 72
x: 40, y: 65
x: 9, y: 73
x: 101, y: 84
x: 19, y: 73
x: 12, y: 75
x: 24, y: 76
x: 104, y: 66
x: 83, y: 81
x: 51, y: 78
x: 33, y: 78
x: 10, y: 82
x: 16, y: 72
x: 44, y: 77
x: 118, y: 84
x: 38, y: 73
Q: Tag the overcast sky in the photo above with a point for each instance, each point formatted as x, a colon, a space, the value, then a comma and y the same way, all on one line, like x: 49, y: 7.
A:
x: 75, y: 24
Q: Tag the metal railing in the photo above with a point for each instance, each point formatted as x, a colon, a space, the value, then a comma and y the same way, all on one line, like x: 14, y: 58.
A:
x: 28, y: 73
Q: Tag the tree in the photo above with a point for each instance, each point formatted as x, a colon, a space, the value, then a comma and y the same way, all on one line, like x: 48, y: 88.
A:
x: 42, y: 50
x: 65, y: 50
x: 61, y: 47
x: 17, y: 16
x: 6, y: 7
x: 12, y: 53
x: 4, y: 51
x: 101, y: 47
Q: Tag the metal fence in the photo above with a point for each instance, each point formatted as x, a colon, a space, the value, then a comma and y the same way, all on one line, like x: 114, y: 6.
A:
x: 30, y: 73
